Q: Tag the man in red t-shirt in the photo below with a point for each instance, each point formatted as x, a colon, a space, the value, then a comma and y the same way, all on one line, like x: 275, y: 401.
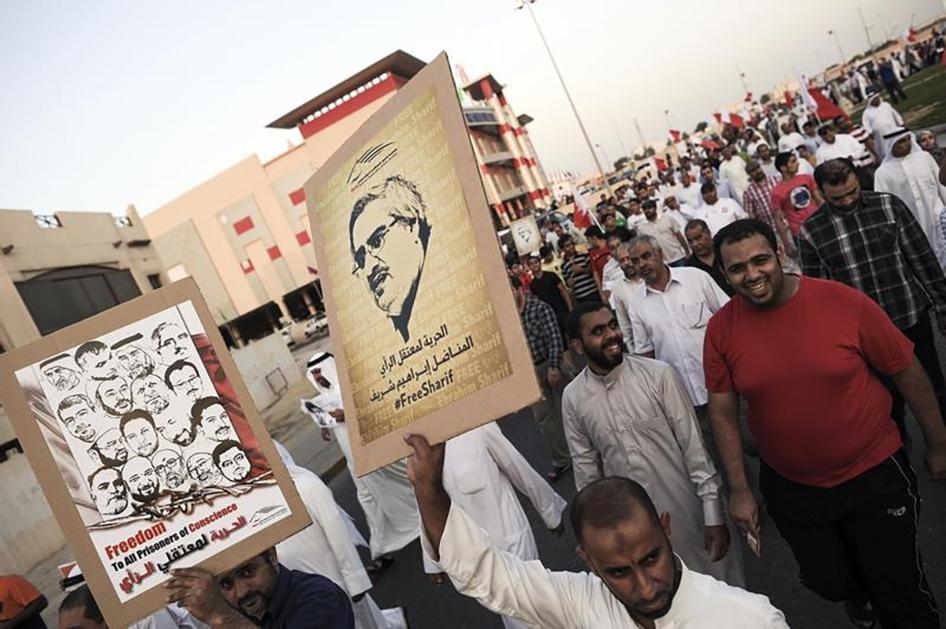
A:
x: 797, y: 195
x: 805, y: 354
x: 598, y: 254
x: 20, y: 603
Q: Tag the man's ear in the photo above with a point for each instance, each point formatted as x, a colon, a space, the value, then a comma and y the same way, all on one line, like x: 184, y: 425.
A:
x: 665, y: 524
x: 576, y: 345
x: 270, y: 554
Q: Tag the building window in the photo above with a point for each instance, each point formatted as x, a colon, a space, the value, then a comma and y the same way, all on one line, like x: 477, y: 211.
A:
x: 155, y: 280
x: 122, y: 221
x: 48, y: 221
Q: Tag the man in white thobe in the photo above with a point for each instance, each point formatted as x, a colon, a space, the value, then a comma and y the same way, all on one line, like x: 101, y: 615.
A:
x: 623, y: 291
x: 326, y: 547
x: 482, y: 470
x: 630, y: 416
x: 717, y: 211
x: 636, y: 580
x: 879, y: 118
x: 911, y: 174
x: 733, y: 170
x: 385, y: 495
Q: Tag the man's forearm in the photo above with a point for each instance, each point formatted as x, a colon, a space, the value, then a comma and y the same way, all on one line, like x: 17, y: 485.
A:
x: 916, y: 389
x: 434, y: 506
x: 725, y: 425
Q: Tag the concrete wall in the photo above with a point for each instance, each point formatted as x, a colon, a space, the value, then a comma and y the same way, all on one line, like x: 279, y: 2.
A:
x: 259, y: 359
x: 28, y: 531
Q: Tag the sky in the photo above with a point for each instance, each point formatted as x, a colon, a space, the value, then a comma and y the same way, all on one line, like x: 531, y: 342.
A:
x: 110, y: 103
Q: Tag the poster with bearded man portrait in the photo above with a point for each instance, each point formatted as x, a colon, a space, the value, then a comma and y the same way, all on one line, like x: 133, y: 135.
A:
x: 423, y: 324
x: 147, y: 447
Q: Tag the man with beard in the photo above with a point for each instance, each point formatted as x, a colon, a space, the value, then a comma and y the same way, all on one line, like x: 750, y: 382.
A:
x: 114, y: 396
x: 873, y: 242
x: 151, y: 393
x: 629, y: 416
x: 211, y: 417
x: 170, y: 468
x: 137, y: 427
x: 624, y: 540
x: 704, y: 256
x: 715, y: 211
x: 78, y: 416
x: 177, y: 428
x: 833, y: 470
x: 231, y: 460
x: 201, y: 468
x: 133, y: 360
x: 142, y: 480
x: 108, y: 491
x: 59, y: 373
x: 182, y: 378
x: 110, y: 449
x: 621, y: 295
x: 96, y: 360
x: 261, y: 592
x: 170, y: 341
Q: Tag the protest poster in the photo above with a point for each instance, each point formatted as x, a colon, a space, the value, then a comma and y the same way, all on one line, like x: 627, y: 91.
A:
x: 147, y: 447
x: 526, y: 235
x: 424, y: 328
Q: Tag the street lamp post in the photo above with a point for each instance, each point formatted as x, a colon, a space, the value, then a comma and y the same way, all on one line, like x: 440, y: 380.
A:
x: 601, y: 172
x: 840, y: 50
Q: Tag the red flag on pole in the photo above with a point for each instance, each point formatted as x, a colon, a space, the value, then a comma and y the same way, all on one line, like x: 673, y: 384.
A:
x: 660, y: 164
x: 736, y: 121
x: 826, y: 109
x: 789, y: 99
x: 675, y: 135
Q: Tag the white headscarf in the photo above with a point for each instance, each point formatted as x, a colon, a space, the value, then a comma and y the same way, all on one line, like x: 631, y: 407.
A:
x: 894, y: 136
x: 327, y: 398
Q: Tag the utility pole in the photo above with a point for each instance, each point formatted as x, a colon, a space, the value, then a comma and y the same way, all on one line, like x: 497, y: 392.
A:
x: 840, y: 50
x: 742, y: 79
x: 601, y: 172
x: 640, y: 135
x: 617, y: 133
x: 870, y: 42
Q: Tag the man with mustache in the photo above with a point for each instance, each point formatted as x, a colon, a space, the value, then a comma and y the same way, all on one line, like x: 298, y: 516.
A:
x: 182, y: 378
x: 177, y: 428
x: 170, y: 468
x: 110, y: 449
x: 211, y: 417
x: 78, y: 416
x: 59, y: 373
x: 388, y: 233
x: 114, y: 396
x: 635, y: 579
x: 873, y: 242
x: 142, y: 480
x: 201, y: 468
x: 96, y: 360
x: 108, y: 491
x: 134, y: 360
x: 230, y: 458
x: 150, y: 393
x: 833, y: 471
x: 170, y: 341
x: 630, y: 416
x: 137, y: 427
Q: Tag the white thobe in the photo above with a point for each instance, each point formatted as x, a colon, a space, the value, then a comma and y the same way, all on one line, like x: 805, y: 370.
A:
x: 672, y: 324
x: 915, y: 179
x: 790, y: 142
x: 844, y: 145
x: 690, y: 195
x: 663, y: 230
x: 611, y: 273
x: 482, y: 470
x: 325, y: 547
x: 720, y: 214
x: 880, y: 120
x: 769, y: 168
x: 538, y: 596
x: 733, y: 170
x: 169, y: 617
x: 621, y: 302
x: 637, y: 422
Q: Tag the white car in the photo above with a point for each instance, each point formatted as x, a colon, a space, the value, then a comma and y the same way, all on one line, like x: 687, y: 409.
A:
x: 316, y: 325
x: 287, y: 337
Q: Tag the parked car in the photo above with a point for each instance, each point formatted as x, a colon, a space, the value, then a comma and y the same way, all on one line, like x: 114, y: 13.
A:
x: 317, y: 324
x: 287, y: 337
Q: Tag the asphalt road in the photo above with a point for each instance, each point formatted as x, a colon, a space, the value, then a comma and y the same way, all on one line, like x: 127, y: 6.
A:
x: 775, y: 575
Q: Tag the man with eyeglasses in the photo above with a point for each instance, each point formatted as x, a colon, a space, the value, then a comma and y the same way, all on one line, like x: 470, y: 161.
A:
x: 170, y: 341
x: 182, y: 378
x: 388, y: 233
x: 873, y: 242
x: 261, y: 592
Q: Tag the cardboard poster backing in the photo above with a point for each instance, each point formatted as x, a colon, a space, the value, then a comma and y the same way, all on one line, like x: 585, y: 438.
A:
x: 398, y: 137
x: 58, y: 494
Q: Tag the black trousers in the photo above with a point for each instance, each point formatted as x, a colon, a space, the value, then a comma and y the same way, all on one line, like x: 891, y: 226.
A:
x: 858, y: 538
x: 924, y: 346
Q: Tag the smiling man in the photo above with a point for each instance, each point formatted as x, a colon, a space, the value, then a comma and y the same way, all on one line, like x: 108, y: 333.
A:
x: 630, y: 416
x: 388, y: 233
x: 833, y: 471
x: 142, y: 480
x: 635, y: 580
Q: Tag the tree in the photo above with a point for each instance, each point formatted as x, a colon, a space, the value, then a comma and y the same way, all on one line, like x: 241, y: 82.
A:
x: 621, y: 163
x: 649, y: 152
x: 765, y: 99
x: 700, y: 127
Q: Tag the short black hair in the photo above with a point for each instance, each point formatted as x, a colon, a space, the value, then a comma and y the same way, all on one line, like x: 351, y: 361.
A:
x: 87, y: 348
x: 834, y: 172
x: 573, y: 322
x: 782, y: 159
x: 177, y: 365
x: 203, y: 404
x: 223, y: 446
x: 594, y: 232
x: 823, y: 129
x: 695, y: 222
x: 607, y: 502
x: 81, y: 597
x: 707, y: 187
x: 649, y: 203
x: 740, y: 230
x: 133, y: 415
x: 564, y: 240
x: 73, y: 400
x: 544, y: 250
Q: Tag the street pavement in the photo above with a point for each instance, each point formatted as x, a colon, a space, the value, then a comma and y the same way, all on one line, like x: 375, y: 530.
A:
x: 775, y: 575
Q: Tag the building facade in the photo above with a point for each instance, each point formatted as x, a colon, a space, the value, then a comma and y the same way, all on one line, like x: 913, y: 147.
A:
x: 243, y: 235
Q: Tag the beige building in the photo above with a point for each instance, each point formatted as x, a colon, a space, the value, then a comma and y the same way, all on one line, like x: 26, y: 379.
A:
x: 244, y: 234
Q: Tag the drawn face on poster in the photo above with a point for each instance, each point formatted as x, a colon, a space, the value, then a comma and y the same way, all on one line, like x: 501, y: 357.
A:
x: 388, y: 235
x: 114, y: 396
x: 183, y: 378
x: 133, y: 360
x: 170, y: 342
x: 526, y: 235
x: 169, y: 464
x: 61, y: 373
x: 109, y: 491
